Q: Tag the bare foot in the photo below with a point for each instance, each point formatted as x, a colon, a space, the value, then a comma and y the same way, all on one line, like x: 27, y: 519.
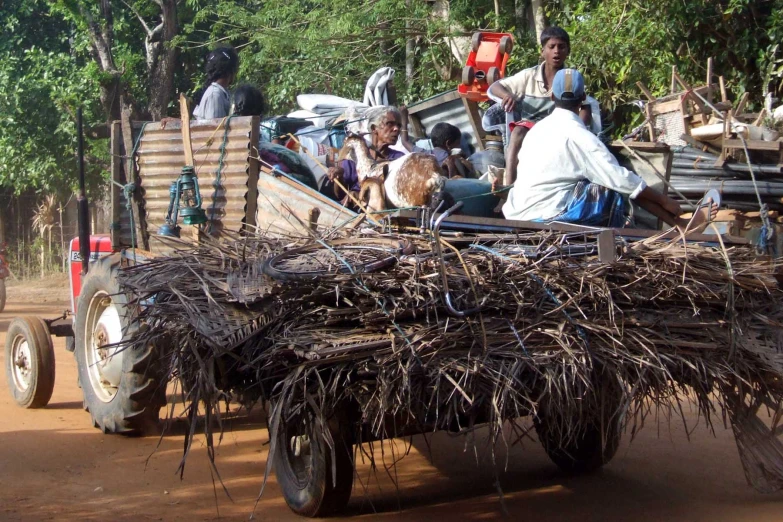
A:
x: 703, y: 215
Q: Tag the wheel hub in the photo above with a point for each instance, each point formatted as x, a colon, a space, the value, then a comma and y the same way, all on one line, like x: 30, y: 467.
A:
x: 22, y: 368
x: 104, y: 356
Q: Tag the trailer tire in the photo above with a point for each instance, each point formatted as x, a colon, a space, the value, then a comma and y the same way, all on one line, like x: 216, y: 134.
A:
x: 123, y: 388
x: 29, y: 362
x: 2, y: 295
x: 315, y: 479
x: 594, y: 445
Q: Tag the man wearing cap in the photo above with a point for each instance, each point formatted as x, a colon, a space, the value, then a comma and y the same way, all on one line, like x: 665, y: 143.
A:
x: 528, y: 93
x: 567, y: 174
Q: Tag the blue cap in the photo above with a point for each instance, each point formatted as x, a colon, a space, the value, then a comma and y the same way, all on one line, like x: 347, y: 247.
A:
x: 569, y: 84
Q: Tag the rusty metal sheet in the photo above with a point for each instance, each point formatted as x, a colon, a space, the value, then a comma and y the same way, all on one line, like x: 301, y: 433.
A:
x: 281, y: 201
x: 160, y: 158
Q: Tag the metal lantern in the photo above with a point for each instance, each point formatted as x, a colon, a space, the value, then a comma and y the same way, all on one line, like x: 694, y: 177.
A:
x: 184, y: 200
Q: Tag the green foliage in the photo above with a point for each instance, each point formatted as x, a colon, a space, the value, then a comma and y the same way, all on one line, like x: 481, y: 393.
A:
x: 41, y: 86
x: 617, y: 43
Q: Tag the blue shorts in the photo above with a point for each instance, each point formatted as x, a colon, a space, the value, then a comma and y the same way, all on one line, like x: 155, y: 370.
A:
x: 594, y: 206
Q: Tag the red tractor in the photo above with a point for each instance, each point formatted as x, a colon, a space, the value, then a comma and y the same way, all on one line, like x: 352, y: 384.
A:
x: 121, y: 390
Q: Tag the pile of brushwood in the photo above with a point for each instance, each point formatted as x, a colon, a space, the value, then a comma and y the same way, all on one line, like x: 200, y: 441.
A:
x: 486, y: 331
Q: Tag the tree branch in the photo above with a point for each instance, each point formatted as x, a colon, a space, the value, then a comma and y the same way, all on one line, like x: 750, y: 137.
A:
x: 138, y: 15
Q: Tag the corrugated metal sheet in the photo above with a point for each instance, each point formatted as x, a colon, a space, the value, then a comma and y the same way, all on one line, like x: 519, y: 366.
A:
x: 452, y: 112
x: 161, y: 156
x: 284, y: 206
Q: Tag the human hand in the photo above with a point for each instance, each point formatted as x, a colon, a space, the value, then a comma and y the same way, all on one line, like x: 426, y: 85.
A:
x: 509, y: 102
x: 335, y: 174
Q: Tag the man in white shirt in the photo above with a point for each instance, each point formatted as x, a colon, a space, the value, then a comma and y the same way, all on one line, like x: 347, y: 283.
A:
x: 566, y: 174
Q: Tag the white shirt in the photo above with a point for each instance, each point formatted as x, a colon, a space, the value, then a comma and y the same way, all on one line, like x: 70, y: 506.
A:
x: 557, y: 153
x: 215, y: 103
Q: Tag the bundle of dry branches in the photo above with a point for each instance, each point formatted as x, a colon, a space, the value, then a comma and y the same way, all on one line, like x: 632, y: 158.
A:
x: 492, y: 330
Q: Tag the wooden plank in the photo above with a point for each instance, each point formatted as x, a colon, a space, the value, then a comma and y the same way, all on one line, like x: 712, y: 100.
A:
x: 643, y: 146
x: 418, y: 128
x: 650, y: 125
x: 773, y: 146
x: 187, y: 144
x: 116, y: 177
x: 646, y: 91
x: 674, y: 81
x: 474, y: 117
x: 693, y: 142
x: 722, y: 83
x: 131, y: 176
x: 477, y: 224
x: 709, y: 73
x: 741, y: 104
x: 251, y: 197
x: 607, y: 250
x: 664, y: 107
x: 433, y: 102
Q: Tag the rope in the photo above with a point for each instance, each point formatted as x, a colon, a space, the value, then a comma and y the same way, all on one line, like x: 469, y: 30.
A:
x: 129, y: 190
x: 218, y: 174
x: 767, y: 231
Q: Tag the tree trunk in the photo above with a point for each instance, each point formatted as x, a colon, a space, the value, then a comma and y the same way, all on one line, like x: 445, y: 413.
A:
x: 162, y: 60
x: 539, y: 15
x: 410, y: 52
x: 497, y: 15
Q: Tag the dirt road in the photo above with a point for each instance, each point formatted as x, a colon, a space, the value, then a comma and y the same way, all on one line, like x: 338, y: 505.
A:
x: 55, y: 466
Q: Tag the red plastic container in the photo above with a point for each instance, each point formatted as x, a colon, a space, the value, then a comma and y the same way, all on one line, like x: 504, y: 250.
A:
x: 486, y: 64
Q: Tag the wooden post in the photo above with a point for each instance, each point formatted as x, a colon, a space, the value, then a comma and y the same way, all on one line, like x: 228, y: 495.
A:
x: 646, y: 91
x: 723, y: 97
x: 674, y: 81
x: 606, y: 246
x: 741, y: 104
x: 115, y: 230
x: 130, y: 177
x: 471, y: 108
x: 709, y: 79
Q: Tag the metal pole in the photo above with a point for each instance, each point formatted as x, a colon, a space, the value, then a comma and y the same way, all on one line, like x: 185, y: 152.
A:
x: 81, y: 200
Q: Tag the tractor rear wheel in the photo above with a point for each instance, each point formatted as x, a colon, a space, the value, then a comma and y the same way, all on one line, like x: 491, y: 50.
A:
x: 29, y: 362
x: 123, y: 387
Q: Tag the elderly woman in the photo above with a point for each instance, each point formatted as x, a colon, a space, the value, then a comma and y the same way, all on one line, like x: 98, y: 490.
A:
x: 384, y: 124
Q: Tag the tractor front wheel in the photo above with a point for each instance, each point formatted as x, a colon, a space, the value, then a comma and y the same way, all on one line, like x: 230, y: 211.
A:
x: 29, y: 362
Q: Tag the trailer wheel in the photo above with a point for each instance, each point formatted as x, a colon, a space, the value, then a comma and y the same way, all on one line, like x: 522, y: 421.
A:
x: 123, y: 388
x: 594, y: 445
x: 475, y: 42
x: 506, y: 45
x: 315, y: 475
x: 29, y: 362
x: 2, y: 295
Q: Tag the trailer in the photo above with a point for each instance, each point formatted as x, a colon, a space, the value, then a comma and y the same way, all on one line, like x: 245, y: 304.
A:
x: 124, y: 388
